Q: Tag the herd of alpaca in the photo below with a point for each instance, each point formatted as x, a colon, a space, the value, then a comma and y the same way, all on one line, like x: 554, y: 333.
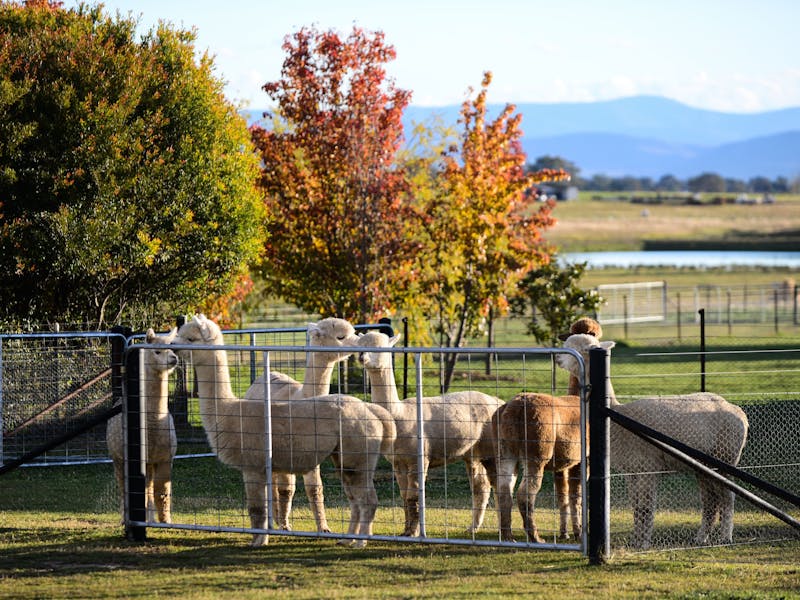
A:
x: 536, y: 432
x: 161, y: 442
x: 305, y: 431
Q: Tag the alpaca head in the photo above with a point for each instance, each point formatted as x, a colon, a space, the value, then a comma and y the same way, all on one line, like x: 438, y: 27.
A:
x: 332, y: 332
x: 581, y: 343
x: 200, y: 330
x: 583, y: 325
x: 376, y: 339
x: 161, y: 360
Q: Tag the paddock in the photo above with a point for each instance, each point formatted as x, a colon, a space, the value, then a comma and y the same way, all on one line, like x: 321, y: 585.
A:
x: 55, y: 385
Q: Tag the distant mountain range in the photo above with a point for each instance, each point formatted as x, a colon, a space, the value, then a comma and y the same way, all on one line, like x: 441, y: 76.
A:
x: 649, y: 136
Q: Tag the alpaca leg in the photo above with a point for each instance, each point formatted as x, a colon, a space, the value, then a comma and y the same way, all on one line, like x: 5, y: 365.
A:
x: 526, y: 498
x: 504, y: 490
x: 355, y: 509
x: 411, y: 500
x: 642, y: 490
x: 726, y: 502
x: 149, y: 493
x: 481, y: 490
x: 363, y: 502
x: 561, y: 481
x: 316, y: 498
x: 162, y: 490
x: 576, y: 499
x: 255, y: 488
x: 283, y: 488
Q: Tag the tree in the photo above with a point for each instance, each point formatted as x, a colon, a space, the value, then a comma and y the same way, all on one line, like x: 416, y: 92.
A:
x: 127, y: 181
x: 550, y: 295
x: 337, y: 232
x: 480, y: 231
x: 706, y: 182
x: 669, y: 183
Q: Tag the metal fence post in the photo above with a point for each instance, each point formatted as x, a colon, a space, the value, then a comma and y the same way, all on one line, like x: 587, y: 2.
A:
x: 599, y: 538
x: 135, y: 504
x: 702, y: 313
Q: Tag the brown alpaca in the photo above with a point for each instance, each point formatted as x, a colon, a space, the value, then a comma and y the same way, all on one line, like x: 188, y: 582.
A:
x: 328, y: 332
x: 452, y: 429
x: 161, y: 442
x: 304, y: 433
x: 582, y: 325
x: 541, y: 432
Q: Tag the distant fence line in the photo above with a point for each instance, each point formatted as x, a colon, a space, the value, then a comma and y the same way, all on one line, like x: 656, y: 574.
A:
x: 655, y: 301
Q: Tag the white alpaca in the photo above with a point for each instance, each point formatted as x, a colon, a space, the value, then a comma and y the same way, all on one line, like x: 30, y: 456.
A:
x: 703, y: 420
x: 541, y: 432
x: 161, y: 443
x: 452, y: 429
x: 304, y: 433
x: 328, y: 332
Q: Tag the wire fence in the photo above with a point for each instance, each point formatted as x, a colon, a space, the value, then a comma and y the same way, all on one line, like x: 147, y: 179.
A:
x: 50, y: 383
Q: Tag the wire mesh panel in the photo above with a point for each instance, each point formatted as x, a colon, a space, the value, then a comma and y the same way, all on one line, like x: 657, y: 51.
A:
x: 758, y: 409
x: 52, y: 386
x: 361, y: 464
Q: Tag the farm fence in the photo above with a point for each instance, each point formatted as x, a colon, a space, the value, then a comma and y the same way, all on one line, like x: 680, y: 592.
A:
x: 45, y: 386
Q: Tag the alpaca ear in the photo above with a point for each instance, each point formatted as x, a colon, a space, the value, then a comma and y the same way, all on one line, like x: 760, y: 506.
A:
x: 150, y: 335
x: 171, y: 335
x: 394, y: 340
x: 607, y: 345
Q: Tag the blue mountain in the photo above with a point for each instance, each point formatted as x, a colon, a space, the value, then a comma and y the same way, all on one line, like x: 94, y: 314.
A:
x: 649, y: 136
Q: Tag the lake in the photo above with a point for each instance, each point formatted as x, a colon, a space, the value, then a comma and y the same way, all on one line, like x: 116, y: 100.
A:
x: 685, y: 258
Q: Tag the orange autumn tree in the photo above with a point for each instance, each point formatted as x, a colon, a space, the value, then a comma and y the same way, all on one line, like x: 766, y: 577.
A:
x: 482, y: 227
x: 332, y: 189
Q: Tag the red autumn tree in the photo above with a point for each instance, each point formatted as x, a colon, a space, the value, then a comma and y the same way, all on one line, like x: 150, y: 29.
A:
x: 482, y: 227
x: 333, y: 191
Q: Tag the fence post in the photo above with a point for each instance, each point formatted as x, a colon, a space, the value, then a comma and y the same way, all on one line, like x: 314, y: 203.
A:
x: 702, y: 313
x: 775, y: 307
x: 599, y: 534
x: 794, y: 303
x: 135, y: 504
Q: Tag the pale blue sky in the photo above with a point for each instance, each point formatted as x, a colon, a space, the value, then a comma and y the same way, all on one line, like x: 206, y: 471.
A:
x: 730, y: 55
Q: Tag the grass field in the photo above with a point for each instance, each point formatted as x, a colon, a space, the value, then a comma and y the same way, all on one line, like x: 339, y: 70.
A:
x: 587, y: 225
x: 60, y: 537
x: 60, y: 534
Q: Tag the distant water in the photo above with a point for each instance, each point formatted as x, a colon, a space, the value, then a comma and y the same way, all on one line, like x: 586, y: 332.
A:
x: 685, y: 258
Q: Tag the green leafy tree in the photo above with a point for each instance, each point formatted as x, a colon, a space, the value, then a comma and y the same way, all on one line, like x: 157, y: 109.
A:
x: 127, y: 181
x: 706, y: 182
x: 551, y: 297
x: 338, y: 242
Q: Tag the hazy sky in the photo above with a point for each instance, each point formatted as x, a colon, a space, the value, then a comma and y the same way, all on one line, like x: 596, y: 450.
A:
x: 730, y: 55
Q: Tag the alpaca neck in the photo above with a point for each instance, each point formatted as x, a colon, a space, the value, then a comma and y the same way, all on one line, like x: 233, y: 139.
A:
x: 156, y: 392
x: 384, y: 389
x: 574, y: 389
x: 213, y: 384
x: 319, y: 370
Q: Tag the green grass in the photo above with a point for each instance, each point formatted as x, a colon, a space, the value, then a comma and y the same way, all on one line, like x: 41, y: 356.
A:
x: 57, y: 555
x: 586, y: 224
